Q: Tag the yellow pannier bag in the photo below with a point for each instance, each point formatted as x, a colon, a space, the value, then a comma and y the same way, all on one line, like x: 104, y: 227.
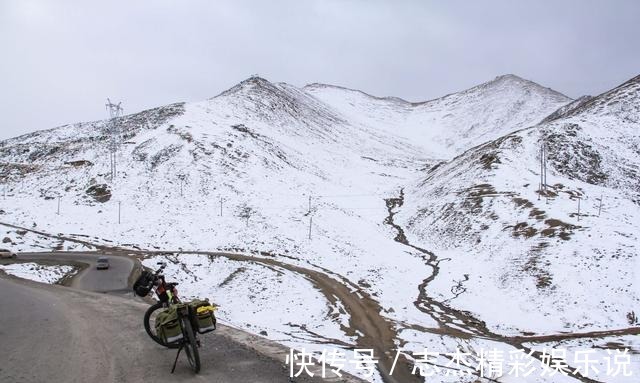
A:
x: 204, y: 318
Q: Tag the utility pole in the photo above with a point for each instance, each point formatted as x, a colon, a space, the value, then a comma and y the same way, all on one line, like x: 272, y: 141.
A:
x: 115, y: 111
x: 579, y: 208
x: 541, y: 170
x: 544, y: 149
x: 58, y: 212
x: 119, y: 206
x: 181, y: 177
x: 310, y: 217
x: 600, y: 207
x: 220, y: 206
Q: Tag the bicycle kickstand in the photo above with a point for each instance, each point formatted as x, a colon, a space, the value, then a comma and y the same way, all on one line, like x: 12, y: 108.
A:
x: 176, y: 361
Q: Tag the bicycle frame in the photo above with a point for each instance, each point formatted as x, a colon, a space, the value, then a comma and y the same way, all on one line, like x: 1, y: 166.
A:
x: 165, y: 292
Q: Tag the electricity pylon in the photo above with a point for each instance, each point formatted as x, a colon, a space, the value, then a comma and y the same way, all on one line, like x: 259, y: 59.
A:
x: 113, y: 130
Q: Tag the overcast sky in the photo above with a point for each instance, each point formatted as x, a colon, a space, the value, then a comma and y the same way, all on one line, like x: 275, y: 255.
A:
x: 60, y: 60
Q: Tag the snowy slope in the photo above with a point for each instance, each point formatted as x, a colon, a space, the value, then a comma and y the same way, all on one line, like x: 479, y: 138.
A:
x: 242, y: 170
x: 446, y: 126
x: 245, y: 170
x: 40, y: 273
x: 312, y: 177
x: 254, y: 127
x: 550, y: 269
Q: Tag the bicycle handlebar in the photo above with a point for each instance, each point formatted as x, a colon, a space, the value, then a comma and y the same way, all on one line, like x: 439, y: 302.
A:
x: 158, y: 275
x: 162, y: 267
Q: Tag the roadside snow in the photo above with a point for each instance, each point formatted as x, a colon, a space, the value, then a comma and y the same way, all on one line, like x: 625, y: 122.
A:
x: 266, y: 300
x: 36, y: 272
x: 25, y: 241
x: 254, y: 297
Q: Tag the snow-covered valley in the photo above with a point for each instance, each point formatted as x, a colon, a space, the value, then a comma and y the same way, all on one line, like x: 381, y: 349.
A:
x: 433, y: 210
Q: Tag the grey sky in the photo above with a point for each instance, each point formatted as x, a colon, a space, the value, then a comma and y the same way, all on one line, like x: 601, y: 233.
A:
x: 61, y: 59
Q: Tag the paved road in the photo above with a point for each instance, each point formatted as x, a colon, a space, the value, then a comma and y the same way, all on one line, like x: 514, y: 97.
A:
x: 51, y: 333
x: 91, y: 279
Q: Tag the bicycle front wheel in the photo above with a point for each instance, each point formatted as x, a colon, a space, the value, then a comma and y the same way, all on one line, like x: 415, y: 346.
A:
x: 190, y: 345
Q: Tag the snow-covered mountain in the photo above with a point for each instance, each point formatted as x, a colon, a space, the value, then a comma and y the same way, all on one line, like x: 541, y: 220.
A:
x: 313, y: 176
x: 451, y: 124
x: 255, y: 129
x: 261, y: 167
x: 551, y: 268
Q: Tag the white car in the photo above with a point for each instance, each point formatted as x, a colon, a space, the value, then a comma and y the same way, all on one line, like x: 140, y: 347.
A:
x: 4, y: 253
x: 103, y: 263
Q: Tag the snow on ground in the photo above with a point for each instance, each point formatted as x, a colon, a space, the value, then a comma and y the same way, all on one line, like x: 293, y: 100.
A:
x: 546, y: 283
x: 463, y: 360
x: 19, y: 240
x: 551, y: 269
x: 294, y: 173
x: 447, y: 126
x: 265, y: 300
x: 264, y: 149
x: 612, y: 359
x: 255, y: 297
x: 36, y: 272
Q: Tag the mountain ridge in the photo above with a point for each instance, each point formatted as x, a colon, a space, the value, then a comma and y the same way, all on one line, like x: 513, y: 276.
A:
x: 448, y: 125
x: 509, y: 78
x: 539, y: 246
x: 340, y: 182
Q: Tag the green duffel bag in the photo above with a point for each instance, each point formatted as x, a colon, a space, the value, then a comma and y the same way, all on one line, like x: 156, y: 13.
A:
x: 204, y: 318
x: 168, y: 325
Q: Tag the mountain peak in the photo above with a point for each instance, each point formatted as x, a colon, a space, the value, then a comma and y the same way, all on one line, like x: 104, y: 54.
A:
x: 253, y: 82
x: 509, y: 77
x: 513, y: 81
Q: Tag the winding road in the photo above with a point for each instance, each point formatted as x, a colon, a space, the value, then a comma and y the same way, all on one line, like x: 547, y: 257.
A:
x: 114, y: 279
x: 52, y: 333
x: 366, y: 322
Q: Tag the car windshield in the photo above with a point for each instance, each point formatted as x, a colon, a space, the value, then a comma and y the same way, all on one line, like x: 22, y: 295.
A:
x: 103, y: 259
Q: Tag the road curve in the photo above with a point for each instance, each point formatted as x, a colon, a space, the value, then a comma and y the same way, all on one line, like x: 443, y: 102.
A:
x: 116, y: 278
x: 52, y: 333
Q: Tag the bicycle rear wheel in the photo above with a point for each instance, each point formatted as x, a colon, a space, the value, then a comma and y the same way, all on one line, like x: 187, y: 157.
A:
x: 149, y: 325
x: 190, y: 345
